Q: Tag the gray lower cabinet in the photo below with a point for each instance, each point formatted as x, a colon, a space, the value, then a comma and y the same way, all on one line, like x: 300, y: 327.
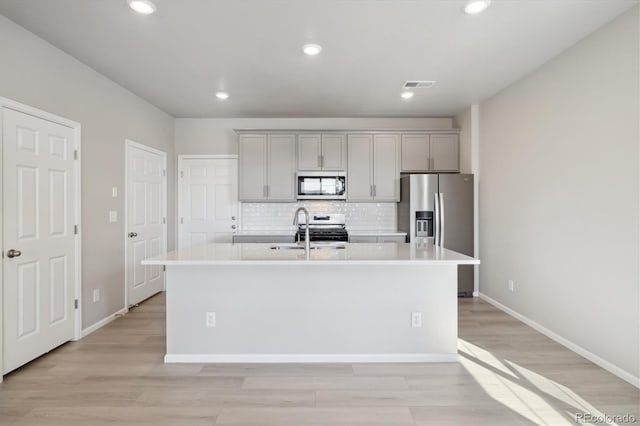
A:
x: 267, y: 167
x: 430, y: 153
x: 373, y: 167
x: 268, y: 239
x: 377, y: 239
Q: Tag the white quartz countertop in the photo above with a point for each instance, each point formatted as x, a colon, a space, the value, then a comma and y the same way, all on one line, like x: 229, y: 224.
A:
x: 263, y: 254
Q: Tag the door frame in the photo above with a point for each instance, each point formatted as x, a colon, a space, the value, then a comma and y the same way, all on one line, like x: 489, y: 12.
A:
x: 181, y: 159
x: 77, y: 133
x: 128, y: 143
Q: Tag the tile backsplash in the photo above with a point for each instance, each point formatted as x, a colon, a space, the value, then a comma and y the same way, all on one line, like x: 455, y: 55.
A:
x: 279, y: 216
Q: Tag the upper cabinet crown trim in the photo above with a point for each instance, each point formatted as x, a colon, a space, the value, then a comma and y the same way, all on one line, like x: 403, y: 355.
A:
x: 344, y: 131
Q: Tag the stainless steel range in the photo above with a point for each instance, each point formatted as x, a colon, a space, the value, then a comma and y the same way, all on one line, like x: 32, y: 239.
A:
x: 324, y: 227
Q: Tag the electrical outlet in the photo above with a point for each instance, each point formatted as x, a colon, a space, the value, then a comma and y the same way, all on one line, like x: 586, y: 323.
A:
x: 113, y: 216
x: 114, y: 191
x: 211, y: 319
x: 510, y: 285
x: 96, y: 295
x: 416, y: 319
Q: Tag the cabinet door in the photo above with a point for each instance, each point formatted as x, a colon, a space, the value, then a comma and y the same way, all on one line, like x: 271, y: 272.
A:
x: 415, y: 153
x: 386, y: 167
x: 444, y: 153
x: 359, y: 170
x: 333, y: 152
x: 392, y: 239
x: 363, y: 239
x: 253, y: 168
x: 309, y: 152
x: 281, y: 168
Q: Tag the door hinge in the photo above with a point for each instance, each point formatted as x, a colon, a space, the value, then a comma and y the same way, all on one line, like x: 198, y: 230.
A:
x: 75, y: 304
x: 164, y: 267
x: 181, y: 220
x: 75, y: 229
x: 181, y: 174
x: 164, y: 172
x: 164, y: 220
x: 75, y: 154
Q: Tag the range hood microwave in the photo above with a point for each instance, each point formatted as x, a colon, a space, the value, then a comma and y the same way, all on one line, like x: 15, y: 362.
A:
x: 321, y: 186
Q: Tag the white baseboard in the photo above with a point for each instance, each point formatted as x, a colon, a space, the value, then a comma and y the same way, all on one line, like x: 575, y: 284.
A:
x: 613, y: 369
x: 307, y: 358
x: 87, y: 331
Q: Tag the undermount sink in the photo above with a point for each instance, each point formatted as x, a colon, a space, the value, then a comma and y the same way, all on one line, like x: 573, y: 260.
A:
x: 314, y: 246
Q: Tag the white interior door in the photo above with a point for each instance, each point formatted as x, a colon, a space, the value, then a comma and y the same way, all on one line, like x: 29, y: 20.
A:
x: 208, y: 200
x: 146, y: 220
x: 39, y: 263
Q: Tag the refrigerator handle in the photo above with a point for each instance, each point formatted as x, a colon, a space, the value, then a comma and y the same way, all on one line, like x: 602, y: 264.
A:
x: 441, y: 220
x: 436, y: 240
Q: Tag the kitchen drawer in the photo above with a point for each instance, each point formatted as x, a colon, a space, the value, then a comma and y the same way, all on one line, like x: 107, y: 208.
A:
x: 268, y: 239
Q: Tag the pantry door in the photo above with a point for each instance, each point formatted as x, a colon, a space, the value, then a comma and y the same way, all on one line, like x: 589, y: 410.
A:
x: 40, y: 252
x: 208, y: 200
x: 146, y: 229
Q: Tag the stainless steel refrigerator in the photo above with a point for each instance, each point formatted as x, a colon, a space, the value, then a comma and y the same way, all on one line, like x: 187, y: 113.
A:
x: 438, y: 209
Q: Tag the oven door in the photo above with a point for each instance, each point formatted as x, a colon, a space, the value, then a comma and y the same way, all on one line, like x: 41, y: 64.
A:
x: 321, y: 187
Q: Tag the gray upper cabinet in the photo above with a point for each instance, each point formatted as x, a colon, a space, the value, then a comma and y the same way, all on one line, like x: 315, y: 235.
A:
x: 430, y: 152
x: 373, y: 164
x: 253, y: 168
x: 281, y: 167
x: 321, y: 152
x: 386, y: 167
x: 360, y: 168
x: 334, y: 152
x: 309, y: 152
x: 415, y: 153
x: 267, y: 167
x: 445, y: 153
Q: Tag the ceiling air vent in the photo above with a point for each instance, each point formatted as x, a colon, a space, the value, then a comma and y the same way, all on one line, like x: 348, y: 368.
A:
x: 418, y: 84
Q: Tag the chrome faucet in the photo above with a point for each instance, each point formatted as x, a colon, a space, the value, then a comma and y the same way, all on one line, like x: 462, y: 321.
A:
x: 307, y: 242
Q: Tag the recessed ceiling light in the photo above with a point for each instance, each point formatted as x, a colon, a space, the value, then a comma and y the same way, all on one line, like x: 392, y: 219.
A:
x: 311, y: 49
x: 144, y: 7
x: 476, y: 6
x: 406, y: 95
x: 222, y: 95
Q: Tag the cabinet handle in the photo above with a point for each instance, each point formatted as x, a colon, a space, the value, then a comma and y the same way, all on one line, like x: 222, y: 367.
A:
x: 319, y: 161
x: 264, y: 190
x: 322, y: 161
x: 374, y: 190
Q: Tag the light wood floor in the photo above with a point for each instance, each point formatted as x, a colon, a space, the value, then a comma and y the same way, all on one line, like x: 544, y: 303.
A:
x: 509, y: 375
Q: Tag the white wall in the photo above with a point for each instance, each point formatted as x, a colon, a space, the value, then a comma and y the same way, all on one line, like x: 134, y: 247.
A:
x: 559, y: 195
x: 216, y: 135
x: 35, y: 73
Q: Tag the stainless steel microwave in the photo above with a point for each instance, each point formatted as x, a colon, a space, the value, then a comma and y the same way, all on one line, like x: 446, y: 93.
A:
x: 321, y: 186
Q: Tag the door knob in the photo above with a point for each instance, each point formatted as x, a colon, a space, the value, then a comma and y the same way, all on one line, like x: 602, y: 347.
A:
x: 133, y: 234
x: 13, y: 253
x: 233, y: 218
x: 233, y: 227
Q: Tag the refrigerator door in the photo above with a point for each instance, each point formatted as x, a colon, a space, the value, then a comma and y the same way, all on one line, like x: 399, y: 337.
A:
x: 422, y: 195
x: 457, y: 235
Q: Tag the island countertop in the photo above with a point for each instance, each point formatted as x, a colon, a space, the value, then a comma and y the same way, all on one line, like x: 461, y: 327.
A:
x: 264, y: 254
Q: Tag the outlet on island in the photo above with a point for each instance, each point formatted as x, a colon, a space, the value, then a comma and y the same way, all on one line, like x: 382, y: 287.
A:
x: 510, y: 285
x: 416, y: 319
x: 210, y: 319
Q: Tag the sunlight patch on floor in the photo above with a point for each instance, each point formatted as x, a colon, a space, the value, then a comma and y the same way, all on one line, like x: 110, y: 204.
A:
x: 525, y: 392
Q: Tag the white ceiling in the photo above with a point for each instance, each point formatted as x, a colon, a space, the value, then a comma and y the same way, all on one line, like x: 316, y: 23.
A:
x: 180, y: 56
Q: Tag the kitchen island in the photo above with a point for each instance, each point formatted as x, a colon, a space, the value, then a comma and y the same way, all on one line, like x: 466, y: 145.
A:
x: 274, y: 303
